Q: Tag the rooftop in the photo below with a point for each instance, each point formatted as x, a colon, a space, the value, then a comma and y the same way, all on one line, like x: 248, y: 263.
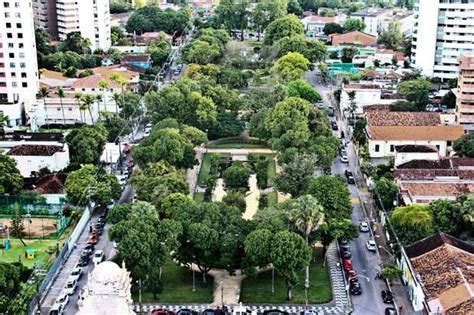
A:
x: 48, y: 184
x: 403, y: 132
x: 136, y: 58
x: 92, y: 82
x: 369, y: 12
x: 32, y: 136
x: 355, y: 38
x: 388, y: 118
x: 445, y: 268
x: 416, y: 148
x: 320, y: 19
x: 35, y: 150
x: 437, y: 189
x: 361, y: 86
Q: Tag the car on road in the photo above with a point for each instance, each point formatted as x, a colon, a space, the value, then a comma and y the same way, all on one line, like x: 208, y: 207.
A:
x: 345, y: 254
x: 76, y: 273
x: 351, y: 274
x: 387, y: 296
x: 275, y: 312
x: 355, y: 288
x: 83, y: 260
x: 93, y: 239
x: 63, y: 299
x: 186, y: 311
x: 70, y: 287
x: 146, y: 133
x: 334, y: 125
x: 350, y: 177
x: 98, y: 256
x: 347, y: 264
x: 162, y: 311
x: 344, y: 245
x: 344, y: 159
x: 342, y: 152
x: 327, y: 171
x: 56, y: 309
x: 390, y: 311
x: 364, y: 227
x: 88, y: 249
x: 371, y: 246
x: 320, y: 104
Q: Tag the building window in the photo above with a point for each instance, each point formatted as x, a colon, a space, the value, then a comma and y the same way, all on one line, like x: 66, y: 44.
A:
x: 21, y: 55
x: 377, y: 148
x: 6, y: 5
x: 22, y: 65
x: 10, y: 45
x: 17, y: 4
x: 9, y: 35
x: 24, y: 84
x: 449, y: 143
x: 9, y: 25
x: 12, y: 65
x: 7, y: 14
x: 437, y: 147
x: 17, y: 15
x: 14, y: 84
x: 18, y: 25
x: 23, y: 75
x: 70, y: 109
x: 11, y: 55
x: 13, y: 74
x: 392, y: 148
x: 20, y: 45
x: 20, y: 35
x: 3, y: 84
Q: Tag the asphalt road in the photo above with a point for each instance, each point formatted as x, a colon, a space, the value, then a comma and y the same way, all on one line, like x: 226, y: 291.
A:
x: 365, y: 263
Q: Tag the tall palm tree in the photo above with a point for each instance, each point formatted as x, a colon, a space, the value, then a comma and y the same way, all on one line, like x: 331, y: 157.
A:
x: 60, y: 93
x: 116, y: 98
x: 117, y: 78
x: 78, y: 97
x: 104, y: 85
x: 87, y: 102
x: 98, y: 99
x: 44, y: 93
x: 307, y: 215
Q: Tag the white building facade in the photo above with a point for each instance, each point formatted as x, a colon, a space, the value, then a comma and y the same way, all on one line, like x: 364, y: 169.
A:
x: 444, y: 29
x: 373, y: 19
x: 18, y: 63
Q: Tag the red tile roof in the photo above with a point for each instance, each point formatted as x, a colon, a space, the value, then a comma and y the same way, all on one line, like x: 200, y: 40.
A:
x: 353, y: 38
x: 35, y: 150
x: 92, y: 82
x: 429, y: 133
x: 438, y: 189
x: 388, y: 118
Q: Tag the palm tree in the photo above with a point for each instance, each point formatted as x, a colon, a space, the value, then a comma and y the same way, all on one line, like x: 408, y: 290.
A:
x: 3, y: 122
x: 78, y: 97
x: 104, y: 85
x: 98, y: 99
x: 87, y: 102
x: 116, y: 98
x: 307, y: 215
x: 117, y: 78
x: 44, y: 93
x: 60, y: 93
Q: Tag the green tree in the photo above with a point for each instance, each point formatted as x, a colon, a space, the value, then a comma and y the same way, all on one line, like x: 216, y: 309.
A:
x: 237, y: 175
x: 416, y: 91
x: 202, y: 52
x: 392, y: 36
x: 413, y: 222
x: 76, y: 43
x: 303, y: 89
x: 16, y: 223
x: 289, y: 254
x: 336, y: 229
x: 116, y: 127
x: 129, y: 104
x: 286, y: 26
x: 86, y: 143
x: 453, y: 217
x: 449, y: 99
x: 89, y: 182
x: 119, y: 213
x: 295, y: 175
x: 333, y: 194
x: 258, y: 245
x: 387, y: 190
x: 313, y: 50
x: 290, y: 67
x: 332, y: 28
x: 354, y: 25
x: 236, y: 199
x: 3, y: 122
x: 60, y: 93
x: 294, y: 7
x: 464, y: 146
x: 11, y: 181
x: 267, y: 11
x: 347, y: 54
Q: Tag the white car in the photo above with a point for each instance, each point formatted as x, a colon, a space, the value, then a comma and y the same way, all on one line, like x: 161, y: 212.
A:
x: 344, y: 159
x: 371, y: 246
x: 364, y: 227
x: 71, y: 286
x: 56, y: 309
x: 62, y: 299
x: 98, y: 256
x: 76, y: 274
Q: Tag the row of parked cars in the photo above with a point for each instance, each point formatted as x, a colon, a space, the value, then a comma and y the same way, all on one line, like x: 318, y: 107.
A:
x: 238, y: 310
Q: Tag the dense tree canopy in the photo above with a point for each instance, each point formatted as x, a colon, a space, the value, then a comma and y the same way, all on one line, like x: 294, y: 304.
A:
x: 290, y: 67
x: 286, y: 26
x: 392, y: 36
x: 303, y: 89
x: 332, y: 28
x: 464, y: 146
x: 354, y: 25
x: 295, y: 175
x: 333, y: 194
x: 416, y: 91
x: 86, y: 143
x: 153, y: 19
x: 11, y: 181
x: 412, y: 222
x: 313, y: 50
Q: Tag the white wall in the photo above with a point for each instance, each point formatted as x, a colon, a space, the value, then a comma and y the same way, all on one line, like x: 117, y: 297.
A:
x: 413, y: 287
x: 384, y: 146
x: 13, y: 111
x: 403, y: 157
x: 56, y: 162
x: 362, y: 98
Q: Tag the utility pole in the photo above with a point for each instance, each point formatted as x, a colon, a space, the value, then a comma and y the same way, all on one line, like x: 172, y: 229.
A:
x: 140, y: 294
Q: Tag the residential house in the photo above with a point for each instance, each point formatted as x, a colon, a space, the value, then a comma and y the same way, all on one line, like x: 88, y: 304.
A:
x: 387, y: 129
x: 384, y: 79
x: 30, y: 158
x: 51, y: 188
x: 314, y: 24
x: 426, y: 179
x: 373, y: 19
x: 364, y: 95
x: 409, y: 152
x: 437, y: 273
x: 354, y: 38
x: 404, y: 18
x: 8, y: 140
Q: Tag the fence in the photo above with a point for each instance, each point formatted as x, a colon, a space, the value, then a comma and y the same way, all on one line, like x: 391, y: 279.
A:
x: 29, y: 204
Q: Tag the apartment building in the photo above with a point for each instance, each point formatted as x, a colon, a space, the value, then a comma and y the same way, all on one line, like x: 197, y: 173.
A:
x: 89, y: 17
x: 373, y: 19
x: 443, y: 30
x: 465, y: 93
x: 18, y: 63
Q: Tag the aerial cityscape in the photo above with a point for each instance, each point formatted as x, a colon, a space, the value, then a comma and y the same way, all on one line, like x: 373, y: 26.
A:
x: 236, y: 157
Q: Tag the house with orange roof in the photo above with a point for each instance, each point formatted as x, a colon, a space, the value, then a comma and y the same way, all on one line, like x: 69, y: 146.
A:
x: 354, y: 38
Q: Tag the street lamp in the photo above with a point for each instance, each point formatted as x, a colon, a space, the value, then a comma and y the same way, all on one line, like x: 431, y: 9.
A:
x: 387, y: 251
x: 194, y: 277
x: 273, y: 279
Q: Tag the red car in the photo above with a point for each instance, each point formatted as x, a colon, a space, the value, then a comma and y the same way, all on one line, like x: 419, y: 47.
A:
x: 351, y: 274
x: 162, y: 311
x: 93, y: 239
x: 347, y: 265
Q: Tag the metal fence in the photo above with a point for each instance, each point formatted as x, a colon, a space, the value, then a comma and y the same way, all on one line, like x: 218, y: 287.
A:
x: 29, y: 204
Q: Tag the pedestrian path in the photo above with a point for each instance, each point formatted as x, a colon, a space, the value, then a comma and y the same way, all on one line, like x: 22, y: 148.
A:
x: 338, y: 283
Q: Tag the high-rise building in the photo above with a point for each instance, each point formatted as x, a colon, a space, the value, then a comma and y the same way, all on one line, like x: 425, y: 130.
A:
x: 443, y: 30
x: 18, y: 64
x: 465, y: 93
x: 89, y: 17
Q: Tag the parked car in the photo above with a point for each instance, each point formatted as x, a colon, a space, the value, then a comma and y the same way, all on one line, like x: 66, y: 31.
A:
x: 76, y: 273
x: 345, y: 254
x: 71, y: 286
x: 162, y: 311
x: 390, y: 311
x: 93, y: 239
x: 347, y: 264
x: 56, y: 309
x: 334, y: 125
x: 349, y: 176
x: 364, y: 227
x: 387, y: 296
x: 342, y: 152
x: 63, y: 299
x: 327, y: 171
x: 371, y: 246
x: 88, y: 249
x: 186, y: 311
x: 355, y: 288
x: 344, y: 244
x: 344, y: 159
x: 275, y: 312
x: 83, y: 260
x: 98, y: 256
x: 146, y: 133
x: 320, y: 104
x: 350, y: 274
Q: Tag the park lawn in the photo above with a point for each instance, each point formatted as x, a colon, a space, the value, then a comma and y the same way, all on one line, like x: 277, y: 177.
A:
x: 204, y: 171
x: 17, y: 252
x: 272, y: 198
x: 199, y: 197
x: 237, y: 145
x: 178, y: 284
x: 258, y: 289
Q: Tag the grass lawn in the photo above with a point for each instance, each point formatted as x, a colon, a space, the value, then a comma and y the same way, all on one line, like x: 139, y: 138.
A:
x: 237, y: 146
x: 177, y: 287
x: 258, y: 289
x: 17, y: 252
x: 237, y: 143
x: 271, y: 172
x: 272, y: 198
x: 199, y: 197
x: 204, y: 171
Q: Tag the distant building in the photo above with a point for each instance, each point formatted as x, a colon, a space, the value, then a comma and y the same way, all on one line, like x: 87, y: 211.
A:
x: 373, y: 19
x: 354, y: 38
x: 18, y: 61
x: 407, y: 153
x: 404, y: 18
x: 437, y: 274
x: 107, y: 291
x: 314, y: 24
x: 387, y: 129
x: 365, y: 94
x: 465, y: 93
x: 141, y: 61
x: 89, y: 17
x: 443, y: 31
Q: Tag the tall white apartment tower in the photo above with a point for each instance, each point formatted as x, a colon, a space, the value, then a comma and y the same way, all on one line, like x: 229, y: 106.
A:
x: 89, y: 17
x: 18, y: 64
x: 443, y: 30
